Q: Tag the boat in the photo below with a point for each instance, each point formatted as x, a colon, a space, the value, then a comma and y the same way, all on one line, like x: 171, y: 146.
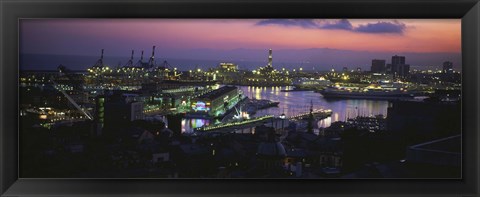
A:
x: 269, y: 104
x: 370, y: 92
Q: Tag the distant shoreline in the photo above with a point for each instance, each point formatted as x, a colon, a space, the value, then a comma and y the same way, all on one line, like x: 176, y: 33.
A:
x: 311, y: 60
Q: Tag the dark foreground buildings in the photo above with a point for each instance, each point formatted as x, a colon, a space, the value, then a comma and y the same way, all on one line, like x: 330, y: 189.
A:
x: 420, y: 121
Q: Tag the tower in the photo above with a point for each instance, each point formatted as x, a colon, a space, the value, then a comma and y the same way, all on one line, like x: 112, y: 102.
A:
x: 398, y: 67
x: 269, y: 58
x: 397, y: 60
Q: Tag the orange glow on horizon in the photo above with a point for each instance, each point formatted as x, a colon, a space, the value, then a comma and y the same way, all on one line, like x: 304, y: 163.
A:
x: 420, y: 35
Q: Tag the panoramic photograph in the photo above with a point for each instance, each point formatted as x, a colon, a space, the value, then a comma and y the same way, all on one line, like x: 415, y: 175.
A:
x: 240, y: 98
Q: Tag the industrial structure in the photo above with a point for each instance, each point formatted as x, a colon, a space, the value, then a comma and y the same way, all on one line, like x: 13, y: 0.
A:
x: 216, y: 102
x: 269, y: 65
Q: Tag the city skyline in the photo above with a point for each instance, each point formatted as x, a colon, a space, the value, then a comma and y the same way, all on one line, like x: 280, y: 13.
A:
x: 423, y: 42
x: 238, y: 99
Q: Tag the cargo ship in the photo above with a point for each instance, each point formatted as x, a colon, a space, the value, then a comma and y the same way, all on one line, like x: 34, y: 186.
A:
x: 370, y: 92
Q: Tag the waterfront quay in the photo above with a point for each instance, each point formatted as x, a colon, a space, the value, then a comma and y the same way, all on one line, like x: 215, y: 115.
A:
x: 278, y: 123
x: 237, y: 125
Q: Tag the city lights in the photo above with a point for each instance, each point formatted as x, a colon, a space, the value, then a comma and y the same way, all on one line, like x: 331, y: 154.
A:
x: 301, y: 109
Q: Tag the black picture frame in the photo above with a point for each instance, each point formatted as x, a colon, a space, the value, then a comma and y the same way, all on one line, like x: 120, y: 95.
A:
x: 11, y: 11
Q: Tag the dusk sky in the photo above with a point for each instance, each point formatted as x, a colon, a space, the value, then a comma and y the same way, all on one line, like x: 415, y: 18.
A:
x: 183, y: 38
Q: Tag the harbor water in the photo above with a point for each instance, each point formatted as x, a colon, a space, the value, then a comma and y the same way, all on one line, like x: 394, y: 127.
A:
x: 296, y: 102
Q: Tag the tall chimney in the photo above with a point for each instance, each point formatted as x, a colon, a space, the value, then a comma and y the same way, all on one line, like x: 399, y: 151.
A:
x: 270, y: 58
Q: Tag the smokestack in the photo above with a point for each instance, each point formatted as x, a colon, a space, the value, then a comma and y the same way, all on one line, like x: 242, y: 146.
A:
x: 270, y: 58
x: 131, y: 56
x: 101, y: 57
x: 141, y: 57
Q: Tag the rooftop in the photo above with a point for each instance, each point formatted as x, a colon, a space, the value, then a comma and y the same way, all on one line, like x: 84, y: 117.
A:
x: 218, y: 92
x: 451, y: 144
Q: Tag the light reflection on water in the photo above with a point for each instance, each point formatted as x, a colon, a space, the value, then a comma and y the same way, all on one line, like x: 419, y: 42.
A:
x: 293, y: 103
x: 189, y: 124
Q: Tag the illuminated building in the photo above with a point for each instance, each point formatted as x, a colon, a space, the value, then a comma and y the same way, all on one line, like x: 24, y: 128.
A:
x: 378, y: 77
x: 304, y: 81
x: 226, y: 73
x: 228, y: 66
x: 216, y: 102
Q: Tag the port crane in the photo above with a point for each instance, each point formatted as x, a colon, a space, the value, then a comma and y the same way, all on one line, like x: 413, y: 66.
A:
x: 165, y: 69
x: 165, y: 65
x: 130, y: 61
x: 140, y: 62
x: 99, y: 62
x: 151, y: 62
